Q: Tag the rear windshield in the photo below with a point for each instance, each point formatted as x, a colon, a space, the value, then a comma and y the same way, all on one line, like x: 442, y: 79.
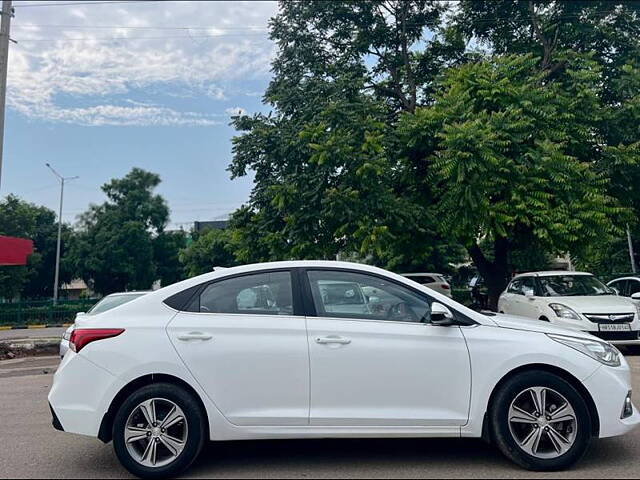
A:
x: 112, y: 301
x: 422, y: 279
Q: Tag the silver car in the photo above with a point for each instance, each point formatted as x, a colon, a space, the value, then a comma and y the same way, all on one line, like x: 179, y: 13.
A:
x: 107, y: 303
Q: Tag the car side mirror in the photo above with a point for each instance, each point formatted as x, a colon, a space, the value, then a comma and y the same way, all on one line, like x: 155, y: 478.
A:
x: 441, y: 315
x: 80, y: 314
x: 636, y: 296
x: 529, y: 293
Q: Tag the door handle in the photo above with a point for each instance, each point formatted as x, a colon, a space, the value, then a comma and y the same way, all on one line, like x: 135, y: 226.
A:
x: 330, y: 340
x: 194, y: 336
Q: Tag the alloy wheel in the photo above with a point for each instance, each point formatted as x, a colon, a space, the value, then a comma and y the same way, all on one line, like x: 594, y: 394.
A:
x: 156, y: 432
x: 543, y: 422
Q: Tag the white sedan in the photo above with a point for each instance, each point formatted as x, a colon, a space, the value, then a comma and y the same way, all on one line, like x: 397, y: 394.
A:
x: 574, y: 300
x: 285, y: 350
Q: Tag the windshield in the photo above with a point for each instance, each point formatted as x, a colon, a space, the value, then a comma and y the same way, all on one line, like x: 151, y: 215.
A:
x: 112, y: 301
x: 572, y: 285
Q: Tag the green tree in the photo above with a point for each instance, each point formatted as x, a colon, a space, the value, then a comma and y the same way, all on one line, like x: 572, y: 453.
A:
x: 114, y: 247
x: 212, y: 248
x: 510, y: 155
x: 326, y: 177
x: 166, y: 255
x: 607, y: 30
x: 26, y: 220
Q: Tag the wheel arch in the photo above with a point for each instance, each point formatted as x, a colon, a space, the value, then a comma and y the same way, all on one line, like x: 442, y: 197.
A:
x: 105, y: 433
x: 568, y: 377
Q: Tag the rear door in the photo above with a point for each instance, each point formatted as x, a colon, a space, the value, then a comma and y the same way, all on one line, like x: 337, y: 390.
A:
x: 244, y: 340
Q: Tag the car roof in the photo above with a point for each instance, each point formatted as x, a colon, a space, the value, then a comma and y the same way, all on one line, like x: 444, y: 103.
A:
x: 630, y: 277
x: 550, y: 273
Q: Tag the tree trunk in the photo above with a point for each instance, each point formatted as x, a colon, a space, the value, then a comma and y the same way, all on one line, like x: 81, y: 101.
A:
x: 495, y: 273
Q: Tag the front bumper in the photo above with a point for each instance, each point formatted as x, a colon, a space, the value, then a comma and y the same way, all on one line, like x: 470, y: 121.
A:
x: 609, y: 388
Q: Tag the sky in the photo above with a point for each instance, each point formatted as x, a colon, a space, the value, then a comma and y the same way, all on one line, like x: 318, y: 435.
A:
x: 97, y: 88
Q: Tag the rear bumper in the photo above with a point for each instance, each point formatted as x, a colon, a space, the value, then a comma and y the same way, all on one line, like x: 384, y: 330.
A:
x: 78, y: 395
x: 54, y: 420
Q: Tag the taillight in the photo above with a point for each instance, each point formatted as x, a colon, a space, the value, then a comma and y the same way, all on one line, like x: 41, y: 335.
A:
x: 81, y: 337
x: 445, y: 286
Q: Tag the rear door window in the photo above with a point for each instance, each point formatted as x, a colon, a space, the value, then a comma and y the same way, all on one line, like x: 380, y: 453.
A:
x: 259, y: 294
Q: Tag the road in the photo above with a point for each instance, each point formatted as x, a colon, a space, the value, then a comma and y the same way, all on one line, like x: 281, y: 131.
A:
x: 32, y: 448
x: 31, y: 333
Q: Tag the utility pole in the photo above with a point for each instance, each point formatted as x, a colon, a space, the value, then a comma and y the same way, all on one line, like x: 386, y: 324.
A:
x: 5, y: 24
x: 631, y: 255
x: 57, y: 274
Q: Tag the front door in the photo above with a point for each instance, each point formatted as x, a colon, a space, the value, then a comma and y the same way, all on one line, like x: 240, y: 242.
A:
x: 242, y: 342
x: 377, y: 361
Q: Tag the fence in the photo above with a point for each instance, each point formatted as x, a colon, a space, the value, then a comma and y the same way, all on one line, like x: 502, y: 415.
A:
x: 42, y: 312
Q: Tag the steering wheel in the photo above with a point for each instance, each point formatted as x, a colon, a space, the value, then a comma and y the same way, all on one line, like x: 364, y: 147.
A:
x: 401, y: 312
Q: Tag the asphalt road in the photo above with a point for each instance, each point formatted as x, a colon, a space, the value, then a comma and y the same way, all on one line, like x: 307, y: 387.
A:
x: 30, y: 447
x: 31, y: 333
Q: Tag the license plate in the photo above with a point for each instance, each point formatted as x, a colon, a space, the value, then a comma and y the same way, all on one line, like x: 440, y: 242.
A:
x: 615, y: 327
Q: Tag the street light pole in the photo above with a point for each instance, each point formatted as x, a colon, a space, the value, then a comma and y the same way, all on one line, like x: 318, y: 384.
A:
x: 57, y: 274
x: 5, y: 24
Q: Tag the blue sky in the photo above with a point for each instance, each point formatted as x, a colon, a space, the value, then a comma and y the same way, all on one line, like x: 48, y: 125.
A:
x: 98, y: 89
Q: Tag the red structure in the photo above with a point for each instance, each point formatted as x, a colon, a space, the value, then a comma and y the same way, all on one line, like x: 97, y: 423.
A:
x: 14, y: 251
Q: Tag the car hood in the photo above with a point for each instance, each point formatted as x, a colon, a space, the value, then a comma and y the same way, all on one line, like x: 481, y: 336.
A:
x: 596, y: 304
x: 527, y: 324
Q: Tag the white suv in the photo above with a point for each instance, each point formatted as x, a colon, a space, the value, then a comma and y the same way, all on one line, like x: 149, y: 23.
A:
x: 574, y: 300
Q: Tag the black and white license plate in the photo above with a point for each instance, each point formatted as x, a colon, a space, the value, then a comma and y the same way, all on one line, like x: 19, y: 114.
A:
x: 615, y: 327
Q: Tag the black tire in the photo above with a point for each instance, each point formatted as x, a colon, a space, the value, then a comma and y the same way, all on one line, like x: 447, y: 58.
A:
x: 504, y: 439
x: 195, y: 418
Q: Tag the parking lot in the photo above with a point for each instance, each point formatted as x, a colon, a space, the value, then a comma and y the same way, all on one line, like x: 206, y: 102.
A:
x: 32, y: 448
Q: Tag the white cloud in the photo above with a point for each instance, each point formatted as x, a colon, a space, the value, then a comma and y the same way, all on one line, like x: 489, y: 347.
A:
x: 232, y: 112
x: 72, y: 75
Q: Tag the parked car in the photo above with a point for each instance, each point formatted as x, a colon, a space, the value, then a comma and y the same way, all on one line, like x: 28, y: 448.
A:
x: 434, y: 281
x: 191, y: 362
x: 107, y: 303
x: 627, y: 287
x: 574, y: 300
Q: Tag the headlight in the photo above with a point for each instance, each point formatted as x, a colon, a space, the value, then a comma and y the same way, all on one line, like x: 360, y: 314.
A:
x: 563, y: 311
x: 601, y: 351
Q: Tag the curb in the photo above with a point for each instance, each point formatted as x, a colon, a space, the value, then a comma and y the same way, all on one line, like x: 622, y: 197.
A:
x: 34, y: 327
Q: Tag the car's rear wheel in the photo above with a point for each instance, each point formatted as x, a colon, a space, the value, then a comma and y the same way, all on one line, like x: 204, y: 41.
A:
x: 158, y: 431
x: 540, y: 421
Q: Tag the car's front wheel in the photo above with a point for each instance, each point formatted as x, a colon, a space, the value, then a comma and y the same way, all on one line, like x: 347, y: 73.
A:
x: 540, y: 421
x: 158, y: 431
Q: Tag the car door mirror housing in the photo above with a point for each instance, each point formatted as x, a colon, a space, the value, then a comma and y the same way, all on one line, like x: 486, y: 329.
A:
x: 636, y: 296
x: 441, y: 315
x: 529, y: 292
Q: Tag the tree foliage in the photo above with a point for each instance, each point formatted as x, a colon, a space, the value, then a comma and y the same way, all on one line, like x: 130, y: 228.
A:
x: 26, y: 220
x: 211, y: 248
x: 114, y: 248
x: 392, y: 138
x: 511, y: 154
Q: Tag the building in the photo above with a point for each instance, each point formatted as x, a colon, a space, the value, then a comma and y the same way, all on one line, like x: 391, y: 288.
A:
x: 210, y: 225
